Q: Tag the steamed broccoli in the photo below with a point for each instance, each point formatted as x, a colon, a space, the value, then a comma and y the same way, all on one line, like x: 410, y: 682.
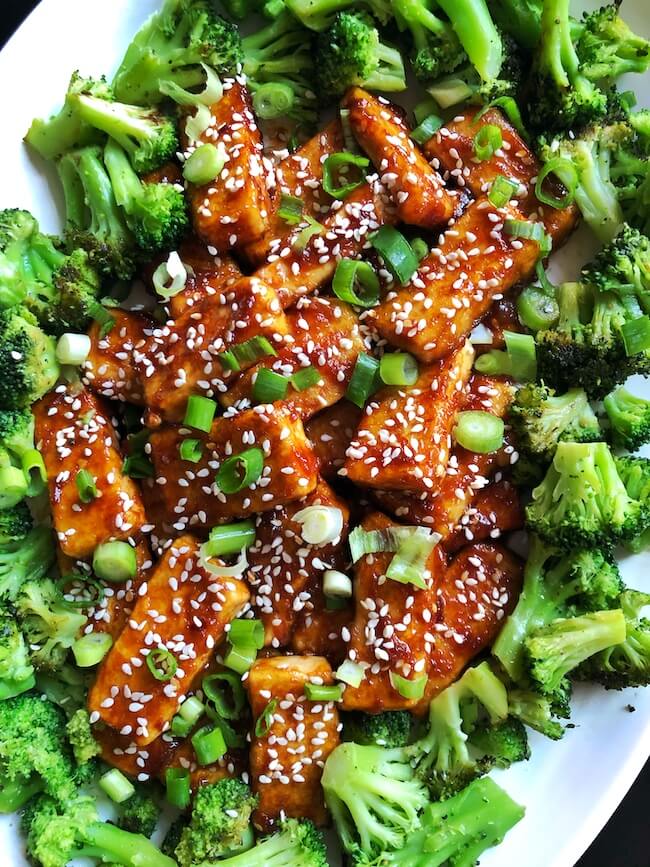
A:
x: 635, y: 475
x: 19, y: 477
x: 297, y: 843
x: 28, y: 365
x: 623, y: 267
x: 319, y: 14
x: 80, y: 736
x: 50, y: 625
x: 350, y: 53
x: 537, y: 711
x: 436, y: 48
x: 140, y: 813
x: 521, y: 19
x: 502, y: 744
x: 25, y: 560
x: 171, y: 46
x: 607, y: 47
x: 386, y: 729
x: 16, y: 671
x: 629, y: 419
x: 15, y: 521
x: 541, y: 419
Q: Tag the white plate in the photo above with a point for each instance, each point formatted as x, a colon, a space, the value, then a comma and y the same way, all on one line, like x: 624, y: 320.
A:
x: 570, y: 788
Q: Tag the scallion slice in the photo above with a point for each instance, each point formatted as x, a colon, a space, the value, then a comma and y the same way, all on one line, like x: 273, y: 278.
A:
x: 191, y: 710
x: 170, y: 277
x: 199, y: 412
x: 227, y: 539
x: 115, y: 561
x: 265, y: 719
x: 396, y: 252
x: 420, y: 248
x: 364, y: 542
x: 305, y: 378
x: 501, y: 191
x: 86, y: 486
x: 428, y: 127
x: 537, y: 309
x: 320, y: 525
x: 73, y: 349
x: 212, y: 90
x: 247, y: 633
x: 90, y: 649
x: 409, y: 564
x: 523, y: 355
x: 177, y: 787
x: 269, y: 386
x: 566, y: 171
x: 34, y: 469
x: 290, y: 209
x: 526, y: 229
x: 333, y: 183
x: 240, y: 658
x: 398, y: 368
x: 246, y: 353
x: 350, y: 672
x: 226, y: 693
x: 162, y: 663
x: 138, y: 467
x: 479, y: 431
x: 320, y: 692
x: 205, y: 164
x: 363, y: 381
x: 191, y: 450
x: 511, y: 109
x: 240, y: 471
x: 636, y: 335
x: 116, y: 785
x: 273, y: 99
x: 412, y: 689
x: 179, y: 727
x: 487, y: 141
x: 337, y: 584
x: 494, y: 363
x: 305, y: 235
x: 237, y: 570
x: 356, y: 282
x: 209, y: 745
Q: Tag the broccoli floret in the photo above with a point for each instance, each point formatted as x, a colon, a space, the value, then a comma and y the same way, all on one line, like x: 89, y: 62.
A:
x: 635, y: 474
x: 15, y: 521
x: 319, y: 14
x: 555, y: 585
x: 28, y: 365
x: 140, y: 813
x: 608, y: 48
x: 56, y: 835
x: 25, y: 560
x: 79, y: 732
x: 456, y: 831
x: 628, y: 662
x: 213, y: 829
x: 16, y: 671
x: 502, y: 744
x: 541, y: 419
x: 521, y: 19
x: 536, y: 711
x: 351, y: 53
x: 629, y: 418
x: 298, y: 843
x: 478, y: 35
x: 50, y: 625
x: 436, y: 48
x: 171, y: 46
x: 623, y: 267
x: 34, y: 754
x: 278, y: 59
x: 386, y: 729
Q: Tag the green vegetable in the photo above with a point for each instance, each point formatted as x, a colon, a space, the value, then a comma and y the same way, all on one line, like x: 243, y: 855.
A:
x: 49, y: 624
x: 386, y: 729
x: 629, y: 418
x: 28, y: 367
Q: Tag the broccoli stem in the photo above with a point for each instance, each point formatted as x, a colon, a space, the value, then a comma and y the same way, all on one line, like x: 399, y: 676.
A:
x: 595, y: 195
x: 478, y: 35
x: 108, y: 843
x: 389, y: 75
x: 127, y: 186
x: 106, y: 219
x: 14, y: 794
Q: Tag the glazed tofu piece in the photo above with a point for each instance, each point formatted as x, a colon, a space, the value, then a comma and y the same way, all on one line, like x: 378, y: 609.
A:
x: 283, y: 567
x: 290, y: 468
x: 75, y: 432
x: 435, y: 631
x: 417, y: 189
x: 183, y: 355
x: 323, y: 334
x: 299, y: 174
x: 301, y: 268
x: 182, y: 609
x: 234, y: 208
x: 404, y: 436
x: 139, y: 762
x: 451, y: 149
x: 117, y: 359
x: 331, y: 432
x: 287, y: 762
x: 496, y: 509
x: 476, y: 262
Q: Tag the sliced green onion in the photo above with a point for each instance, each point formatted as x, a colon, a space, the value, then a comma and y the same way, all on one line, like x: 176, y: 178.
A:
x: 102, y: 317
x: 191, y: 450
x: 542, y: 276
x: 410, y: 689
x: 205, y: 164
x: 226, y: 693
x: 320, y: 524
x: 246, y: 353
x: 138, y: 467
x: 180, y: 728
x: 162, y: 663
x: 335, y: 603
x: 501, y: 191
x: 86, y: 486
x: 428, y: 127
x: 511, y: 109
x: 115, y: 561
x: 227, y: 539
x: 240, y: 658
x: 398, y: 368
x: 305, y: 378
x: 396, y: 252
x: 211, y: 93
x: 523, y: 355
x: 170, y: 277
x: 273, y: 99
x: 478, y: 431
x: 89, y: 650
x: 191, y: 710
x: 199, y: 412
x: 449, y: 91
x: 233, y: 739
x: 247, y: 633
x: 305, y: 235
x: 350, y: 672
x: 269, y: 386
x: 265, y: 719
x: 319, y: 692
x: 336, y: 186
x: 420, y: 248
x: 290, y: 209
x: 13, y: 486
x: 116, y: 786
x: 356, y: 282
x: 423, y: 109
x: 363, y: 381
x: 337, y: 584
x: 568, y: 174
x: 537, y: 309
x: 525, y: 229
x: 33, y: 467
x: 240, y: 471
x: 177, y: 787
x: 636, y: 335
x: 409, y: 565
x: 209, y: 745
x: 494, y: 363
x: 487, y: 141
x: 235, y: 571
x: 73, y: 349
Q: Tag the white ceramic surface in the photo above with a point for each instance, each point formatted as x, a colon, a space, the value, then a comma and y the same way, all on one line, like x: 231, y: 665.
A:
x: 570, y: 788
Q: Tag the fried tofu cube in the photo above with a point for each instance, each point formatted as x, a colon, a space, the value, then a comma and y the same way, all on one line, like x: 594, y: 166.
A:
x: 182, y: 610
x: 330, y: 433
x: 476, y: 261
x: 117, y: 359
x: 319, y: 630
x: 404, y: 436
x: 287, y: 761
x: 418, y: 190
x: 283, y: 567
x: 310, y: 264
x: 299, y: 174
x: 234, y: 208
x: 401, y: 629
x: 74, y: 432
x: 496, y: 509
x: 290, y: 467
x: 323, y: 334
x: 451, y: 149
x: 135, y: 760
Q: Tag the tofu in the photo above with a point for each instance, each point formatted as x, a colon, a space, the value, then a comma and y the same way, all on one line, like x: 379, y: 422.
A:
x: 232, y: 210
x: 418, y: 190
x: 182, y: 608
x: 283, y: 568
x: 451, y: 149
x: 290, y: 468
x: 495, y: 510
x: 299, y: 174
x: 404, y: 436
x: 475, y: 263
x: 321, y: 631
x: 330, y: 433
x: 435, y: 631
x: 75, y: 432
x: 116, y: 362
x: 324, y: 334
x: 136, y: 761
x: 286, y: 763
x: 298, y: 270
